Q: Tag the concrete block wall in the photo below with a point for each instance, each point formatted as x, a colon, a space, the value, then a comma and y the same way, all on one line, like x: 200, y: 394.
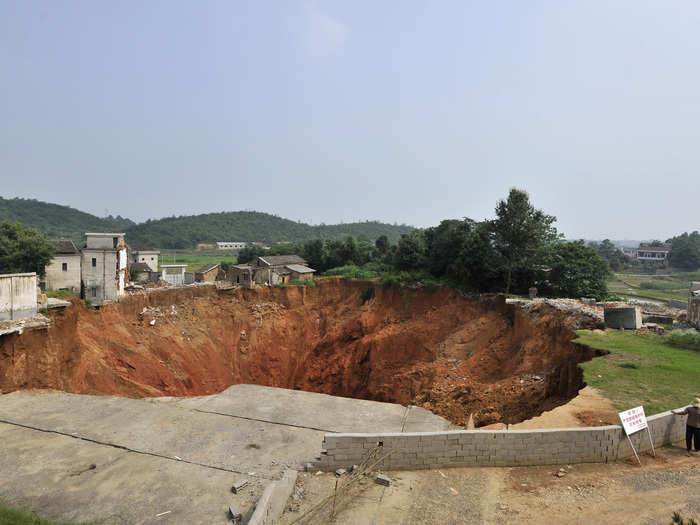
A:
x: 17, y: 296
x: 500, y: 448
x: 627, y: 317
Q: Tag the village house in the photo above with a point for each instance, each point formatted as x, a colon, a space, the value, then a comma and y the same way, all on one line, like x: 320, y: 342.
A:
x: 141, y: 272
x: 208, y: 273
x: 104, y: 267
x: 63, y: 272
x: 279, y: 269
x: 173, y: 273
x: 149, y: 257
x: 241, y: 274
x: 646, y: 252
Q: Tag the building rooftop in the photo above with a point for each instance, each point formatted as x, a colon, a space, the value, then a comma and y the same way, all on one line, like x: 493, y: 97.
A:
x: 208, y: 268
x: 141, y: 267
x: 173, y: 266
x: 65, y: 246
x: 300, y: 268
x: 102, y: 234
x: 282, y: 260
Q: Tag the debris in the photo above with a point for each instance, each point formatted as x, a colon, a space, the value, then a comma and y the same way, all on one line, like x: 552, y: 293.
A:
x: 454, y: 491
x: 340, y: 472
x: 381, y: 479
x: 163, y: 513
x: 235, y: 513
x: 440, y: 472
x: 319, y: 473
x: 178, y: 458
x: 354, y: 468
x: 239, y: 485
x: 308, y: 467
x: 153, y: 322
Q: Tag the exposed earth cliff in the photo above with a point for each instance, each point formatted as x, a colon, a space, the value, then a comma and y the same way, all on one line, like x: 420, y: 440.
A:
x: 452, y: 354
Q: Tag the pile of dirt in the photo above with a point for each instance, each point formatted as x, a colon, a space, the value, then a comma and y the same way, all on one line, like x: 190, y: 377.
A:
x: 451, y: 354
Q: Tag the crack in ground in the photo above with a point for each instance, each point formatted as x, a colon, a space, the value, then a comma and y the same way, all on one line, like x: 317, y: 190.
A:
x: 122, y: 447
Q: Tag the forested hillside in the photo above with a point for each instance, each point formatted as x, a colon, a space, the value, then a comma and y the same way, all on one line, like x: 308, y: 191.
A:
x: 58, y: 221
x: 184, y: 232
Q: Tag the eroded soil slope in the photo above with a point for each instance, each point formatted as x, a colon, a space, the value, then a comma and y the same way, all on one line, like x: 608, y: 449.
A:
x: 454, y: 355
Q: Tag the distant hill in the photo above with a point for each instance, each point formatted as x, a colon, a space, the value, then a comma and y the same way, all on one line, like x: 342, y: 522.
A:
x: 184, y: 232
x: 56, y: 220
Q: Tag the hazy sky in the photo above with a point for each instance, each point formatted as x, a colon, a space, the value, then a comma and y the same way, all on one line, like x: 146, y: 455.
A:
x: 400, y: 111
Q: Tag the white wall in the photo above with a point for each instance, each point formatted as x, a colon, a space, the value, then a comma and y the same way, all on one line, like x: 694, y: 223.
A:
x: 17, y: 296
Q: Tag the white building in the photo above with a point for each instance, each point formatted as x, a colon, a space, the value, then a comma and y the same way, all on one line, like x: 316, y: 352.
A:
x: 173, y: 273
x: 231, y: 245
x: 148, y: 257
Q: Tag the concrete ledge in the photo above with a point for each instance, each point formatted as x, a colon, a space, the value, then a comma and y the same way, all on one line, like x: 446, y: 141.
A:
x: 271, y: 504
x: 425, y: 450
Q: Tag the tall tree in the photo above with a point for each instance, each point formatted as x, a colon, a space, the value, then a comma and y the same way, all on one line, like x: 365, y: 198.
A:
x: 576, y: 270
x: 23, y: 249
x: 520, y: 234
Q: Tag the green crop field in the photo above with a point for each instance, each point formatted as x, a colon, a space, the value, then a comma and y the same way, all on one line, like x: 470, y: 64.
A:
x: 641, y: 369
x: 661, y: 287
x: 195, y: 260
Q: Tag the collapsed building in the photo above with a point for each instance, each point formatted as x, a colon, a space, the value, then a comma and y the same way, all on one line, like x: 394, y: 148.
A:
x: 104, y: 267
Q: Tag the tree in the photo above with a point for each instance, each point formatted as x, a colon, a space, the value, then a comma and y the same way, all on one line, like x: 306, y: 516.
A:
x: 608, y: 251
x: 23, y: 249
x: 520, y: 234
x: 382, y: 244
x: 685, y: 251
x: 410, y: 252
x: 576, y: 270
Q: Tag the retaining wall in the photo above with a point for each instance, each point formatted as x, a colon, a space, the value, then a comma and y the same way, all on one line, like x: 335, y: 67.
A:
x: 17, y: 296
x: 471, y: 448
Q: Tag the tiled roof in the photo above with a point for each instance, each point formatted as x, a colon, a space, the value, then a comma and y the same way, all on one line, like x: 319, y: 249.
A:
x: 64, y: 246
x: 282, y: 260
x: 300, y: 268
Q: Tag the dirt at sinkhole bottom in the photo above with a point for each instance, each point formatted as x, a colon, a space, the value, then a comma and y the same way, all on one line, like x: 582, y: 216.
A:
x: 452, y: 354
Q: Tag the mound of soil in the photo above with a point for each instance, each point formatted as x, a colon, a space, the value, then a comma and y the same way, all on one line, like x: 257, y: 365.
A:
x: 455, y: 355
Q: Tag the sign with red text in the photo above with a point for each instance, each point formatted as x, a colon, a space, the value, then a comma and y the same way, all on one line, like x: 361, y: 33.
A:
x: 633, y: 420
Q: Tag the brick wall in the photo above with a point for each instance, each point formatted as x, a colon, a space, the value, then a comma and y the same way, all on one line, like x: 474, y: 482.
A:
x: 467, y: 448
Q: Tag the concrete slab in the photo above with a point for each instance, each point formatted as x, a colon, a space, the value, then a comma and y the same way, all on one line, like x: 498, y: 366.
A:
x: 50, y: 474
x: 166, y: 454
x: 317, y: 411
x: 237, y: 445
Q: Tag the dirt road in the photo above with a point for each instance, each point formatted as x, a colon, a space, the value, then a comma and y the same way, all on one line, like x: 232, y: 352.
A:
x: 621, y: 493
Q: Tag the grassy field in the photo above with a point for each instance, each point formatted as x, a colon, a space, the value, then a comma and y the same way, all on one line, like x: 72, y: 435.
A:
x: 642, y: 369
x: 662, y: 287
x: 195, y: 260
x: 13, y: 516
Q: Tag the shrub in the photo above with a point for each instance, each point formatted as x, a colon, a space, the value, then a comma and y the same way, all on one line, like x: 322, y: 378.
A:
x: 685, y: 339
x: 662, y: 285
x: 629, y: 364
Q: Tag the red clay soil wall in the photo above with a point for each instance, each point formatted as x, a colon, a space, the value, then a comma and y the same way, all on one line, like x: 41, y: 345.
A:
x: 452, y: 354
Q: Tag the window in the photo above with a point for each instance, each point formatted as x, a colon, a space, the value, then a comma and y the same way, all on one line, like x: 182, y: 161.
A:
x: 64, y: 267
x: 93, y: 291
x: 115, y: 242
x: 94, y: 262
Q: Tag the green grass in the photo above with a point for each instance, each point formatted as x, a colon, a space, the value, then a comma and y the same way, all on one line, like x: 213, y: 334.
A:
x: 663, y: 288
x: 13, y: 516
x: 642, y: 369
x: 66, y: 295
x: 195, y: 260
x: 663, y: 285
x: 685, y: 339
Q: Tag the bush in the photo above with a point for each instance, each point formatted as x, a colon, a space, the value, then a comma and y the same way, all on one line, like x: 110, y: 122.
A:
x: 629, y: 364
x: 685, y: 339
x: 351, y: 271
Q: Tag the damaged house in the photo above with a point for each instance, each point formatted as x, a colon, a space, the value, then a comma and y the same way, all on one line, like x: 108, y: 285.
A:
x: 104, y: 267
x: 63, y: 272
